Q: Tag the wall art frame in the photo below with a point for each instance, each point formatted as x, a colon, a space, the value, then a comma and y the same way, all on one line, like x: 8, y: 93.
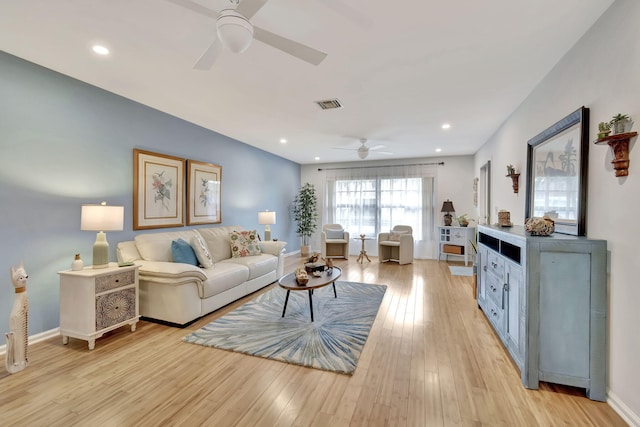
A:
x: 557, y: 172
x: 158, y: 190
x: 204, y: 193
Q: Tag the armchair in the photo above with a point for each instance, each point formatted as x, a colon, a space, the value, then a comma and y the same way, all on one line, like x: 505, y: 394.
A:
x: 334, y: 241
x: 396, y: 245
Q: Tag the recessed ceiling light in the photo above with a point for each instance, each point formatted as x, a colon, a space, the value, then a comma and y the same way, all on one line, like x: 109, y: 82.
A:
x: 438, y: 150
x: 283, y: 141
x: 317, y: 158
x: 100, y: 50
x: 446, y: 126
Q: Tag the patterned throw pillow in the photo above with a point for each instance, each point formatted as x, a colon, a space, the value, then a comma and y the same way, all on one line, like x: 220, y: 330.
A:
x: 244, y: 243
x: 394, y: 236
x: 202, y: 252
x: 181, y: 251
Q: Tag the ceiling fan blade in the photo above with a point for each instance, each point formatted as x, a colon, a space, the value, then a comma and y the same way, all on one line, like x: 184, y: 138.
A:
x: 296, y: 49
x: 376, y: 147
x: 208, y: 58
x: 248, y: 8
x: 347, y: 149
x: 195, y: 7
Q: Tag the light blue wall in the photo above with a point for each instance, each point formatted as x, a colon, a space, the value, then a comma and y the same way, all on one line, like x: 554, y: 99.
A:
x: 64, y: 143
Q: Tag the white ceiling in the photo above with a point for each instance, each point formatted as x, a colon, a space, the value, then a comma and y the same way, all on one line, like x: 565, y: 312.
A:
x: 400, y: 69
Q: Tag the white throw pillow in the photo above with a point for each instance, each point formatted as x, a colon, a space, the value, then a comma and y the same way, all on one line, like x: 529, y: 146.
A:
x: 202, y: 252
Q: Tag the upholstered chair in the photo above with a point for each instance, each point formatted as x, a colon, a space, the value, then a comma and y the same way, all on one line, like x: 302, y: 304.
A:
x: 396, y: 245
x: 334, y: 241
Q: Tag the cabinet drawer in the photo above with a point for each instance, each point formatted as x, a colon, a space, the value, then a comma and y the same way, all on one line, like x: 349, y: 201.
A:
x: 495, y: 315
x: 495, y: 264
x: 113, y: 281
x: 115, y: 307
x: 495, y: 290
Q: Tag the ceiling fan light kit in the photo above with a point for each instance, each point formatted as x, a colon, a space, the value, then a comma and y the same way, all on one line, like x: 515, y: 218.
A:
x: 234, y: 31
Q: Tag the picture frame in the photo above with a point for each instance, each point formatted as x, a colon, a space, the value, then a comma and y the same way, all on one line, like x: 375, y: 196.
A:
x: 204, y: 191
x: 557, y: 171
x: 158, y: 190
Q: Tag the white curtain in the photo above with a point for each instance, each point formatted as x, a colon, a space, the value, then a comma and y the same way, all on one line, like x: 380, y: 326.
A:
x: 371, y: 200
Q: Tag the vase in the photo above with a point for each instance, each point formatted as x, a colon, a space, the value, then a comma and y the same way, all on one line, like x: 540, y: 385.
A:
x: 77, y: 263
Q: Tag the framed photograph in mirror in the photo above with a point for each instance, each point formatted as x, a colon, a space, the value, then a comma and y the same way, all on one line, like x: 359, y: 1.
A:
x: 557, y: 168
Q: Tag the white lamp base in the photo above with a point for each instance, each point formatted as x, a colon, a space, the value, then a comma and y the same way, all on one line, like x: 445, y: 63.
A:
x: 101, y: 251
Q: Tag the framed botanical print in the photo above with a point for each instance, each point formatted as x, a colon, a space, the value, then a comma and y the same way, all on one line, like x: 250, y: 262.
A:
x: 204, y: 184
x: 158, y: 190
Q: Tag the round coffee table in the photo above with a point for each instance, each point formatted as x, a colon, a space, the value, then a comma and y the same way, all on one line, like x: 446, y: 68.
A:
x: 288, y: 282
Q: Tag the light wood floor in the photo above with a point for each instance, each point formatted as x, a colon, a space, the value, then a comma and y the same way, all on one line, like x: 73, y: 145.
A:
x: 431, y: 359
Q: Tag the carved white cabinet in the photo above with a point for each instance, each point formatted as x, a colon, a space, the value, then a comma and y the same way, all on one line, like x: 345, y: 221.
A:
x: 455, y: 241
x: 546, y: 298
x: 95, y: 301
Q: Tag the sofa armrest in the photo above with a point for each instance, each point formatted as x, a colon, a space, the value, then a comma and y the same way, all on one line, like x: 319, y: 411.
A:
x: 273, y: 248
x: 170, y: 270
x: 383, y: 237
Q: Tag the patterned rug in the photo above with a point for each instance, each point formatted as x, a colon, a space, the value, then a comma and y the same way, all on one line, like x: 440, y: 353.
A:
x: 333, y: 341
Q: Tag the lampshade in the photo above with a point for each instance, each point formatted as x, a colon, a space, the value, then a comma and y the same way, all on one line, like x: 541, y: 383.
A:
x: 234, y: 31
x: 101, y: 218
x: 447, y: 206
x: 266, y: 218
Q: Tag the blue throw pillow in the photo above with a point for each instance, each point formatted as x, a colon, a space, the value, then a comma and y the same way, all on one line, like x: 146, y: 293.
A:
x: 183, y: 252
x: 334, y: 233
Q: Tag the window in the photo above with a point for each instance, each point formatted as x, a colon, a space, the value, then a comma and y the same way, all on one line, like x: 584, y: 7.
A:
x: 371, y: 200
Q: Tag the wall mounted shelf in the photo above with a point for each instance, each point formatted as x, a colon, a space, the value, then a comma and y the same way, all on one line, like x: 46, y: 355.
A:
x: 515, y: 177
x: 619, y: 144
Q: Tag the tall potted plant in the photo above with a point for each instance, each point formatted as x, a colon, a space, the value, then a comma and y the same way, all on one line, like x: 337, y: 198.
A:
x: 305, y: 214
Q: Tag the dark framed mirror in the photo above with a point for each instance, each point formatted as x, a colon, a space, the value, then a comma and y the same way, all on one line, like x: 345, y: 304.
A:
x: 557, y: 168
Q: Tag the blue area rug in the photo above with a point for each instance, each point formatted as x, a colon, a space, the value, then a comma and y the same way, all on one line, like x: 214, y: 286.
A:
x: 333, y: 341
x: 461, y: 271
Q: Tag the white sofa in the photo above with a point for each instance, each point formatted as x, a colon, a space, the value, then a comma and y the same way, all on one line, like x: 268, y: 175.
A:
x: 179, y: 293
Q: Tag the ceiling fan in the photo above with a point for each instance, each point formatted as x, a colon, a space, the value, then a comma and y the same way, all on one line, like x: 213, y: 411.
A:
x: 235, y: 32
x: 363, y: 150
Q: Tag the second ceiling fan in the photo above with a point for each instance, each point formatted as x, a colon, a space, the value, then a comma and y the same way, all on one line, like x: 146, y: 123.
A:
x: 235, y: 32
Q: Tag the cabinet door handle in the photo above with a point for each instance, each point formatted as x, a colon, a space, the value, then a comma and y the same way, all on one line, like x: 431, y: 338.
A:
x: 484, y: 268
x: 505, y: 289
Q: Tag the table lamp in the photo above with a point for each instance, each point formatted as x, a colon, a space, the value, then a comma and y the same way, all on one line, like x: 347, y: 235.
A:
x: 447, y: 207
x: 101, y: 218
x: 266, y: 218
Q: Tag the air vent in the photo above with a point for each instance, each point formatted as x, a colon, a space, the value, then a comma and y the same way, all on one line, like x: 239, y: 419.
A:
x: 328, y: 104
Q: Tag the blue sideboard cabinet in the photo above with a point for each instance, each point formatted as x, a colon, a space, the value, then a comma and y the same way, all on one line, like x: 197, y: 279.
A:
x: 546, y: 298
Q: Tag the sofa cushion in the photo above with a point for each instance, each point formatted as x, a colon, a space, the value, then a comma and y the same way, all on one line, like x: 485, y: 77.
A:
x: 181, y: 251
x: 224, y: 277
x: 202, y: 252
x: 334, y: 233
x: 258, y: 265
x: 244, y: 243
x: 157, y: 246
x: 217, y: 240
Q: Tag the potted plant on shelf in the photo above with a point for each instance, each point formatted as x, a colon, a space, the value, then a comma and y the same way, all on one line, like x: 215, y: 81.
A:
x: 619, y: 123
x: 305, y: 214
x: 463, y: 220
x: 604, y: 129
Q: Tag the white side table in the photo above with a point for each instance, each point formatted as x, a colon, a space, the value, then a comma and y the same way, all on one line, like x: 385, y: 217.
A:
x: 452, y: 238
x: 95, y: 301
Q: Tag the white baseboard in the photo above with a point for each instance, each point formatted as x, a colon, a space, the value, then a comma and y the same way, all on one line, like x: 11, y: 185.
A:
x: 623, y: 410
x: 288, y: 254
x: 36, y: 338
